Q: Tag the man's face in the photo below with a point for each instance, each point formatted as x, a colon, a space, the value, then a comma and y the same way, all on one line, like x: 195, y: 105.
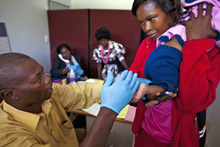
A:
x: 34, y: 86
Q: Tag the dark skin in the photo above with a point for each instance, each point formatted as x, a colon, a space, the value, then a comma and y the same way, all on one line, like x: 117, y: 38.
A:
x: 192, y: 32
x: 202, y: 21
x: 100, y: 130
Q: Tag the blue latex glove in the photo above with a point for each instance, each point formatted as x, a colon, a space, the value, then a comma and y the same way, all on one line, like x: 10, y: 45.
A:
x: 74, y: 67
x: 146, y: 81
x: 79, y: 72
x: 117, y: 95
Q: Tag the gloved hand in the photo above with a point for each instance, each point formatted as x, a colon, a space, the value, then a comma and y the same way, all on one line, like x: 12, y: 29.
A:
x: 117, y: 95
x: 79, y: 72
x: 74, y: 67
x: 146, y: 81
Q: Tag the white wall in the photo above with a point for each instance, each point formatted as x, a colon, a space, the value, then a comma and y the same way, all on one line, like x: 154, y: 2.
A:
x: 102, y: 4
x: 64, y: 2
x: 27, y: 24
x: 213, y: 116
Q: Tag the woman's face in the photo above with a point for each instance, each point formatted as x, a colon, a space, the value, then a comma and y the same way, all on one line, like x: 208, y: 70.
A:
x: 65, y: 53
x: 153, y: 20
x: 104, y: 42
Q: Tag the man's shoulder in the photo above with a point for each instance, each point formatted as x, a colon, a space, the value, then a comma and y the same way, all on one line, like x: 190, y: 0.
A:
x: 12, y: 130
x: 8, y: 124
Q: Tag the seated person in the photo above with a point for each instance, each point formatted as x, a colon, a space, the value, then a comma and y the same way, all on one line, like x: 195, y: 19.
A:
x: 60, y: 70
x: 61, y: 63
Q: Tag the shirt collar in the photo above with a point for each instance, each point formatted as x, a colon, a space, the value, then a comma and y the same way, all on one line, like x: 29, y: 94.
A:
x: 27, y: 118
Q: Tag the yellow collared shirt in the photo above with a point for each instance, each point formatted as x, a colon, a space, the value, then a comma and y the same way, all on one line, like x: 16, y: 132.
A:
x: 52, y: 127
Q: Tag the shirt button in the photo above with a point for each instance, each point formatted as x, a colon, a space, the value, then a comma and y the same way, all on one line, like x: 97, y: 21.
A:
x: 58, y: 141
x: 51, y: 129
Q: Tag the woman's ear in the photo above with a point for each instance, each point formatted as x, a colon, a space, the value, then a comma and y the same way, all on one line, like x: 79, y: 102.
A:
x: 8, y: 95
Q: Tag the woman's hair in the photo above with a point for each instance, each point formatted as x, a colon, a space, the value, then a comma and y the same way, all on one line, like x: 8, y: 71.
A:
x: 102, y: 33
x: 170, y: 7
x: 59, y: 47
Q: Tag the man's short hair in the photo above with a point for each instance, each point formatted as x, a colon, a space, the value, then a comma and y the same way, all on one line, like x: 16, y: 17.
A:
x: 9, y: 69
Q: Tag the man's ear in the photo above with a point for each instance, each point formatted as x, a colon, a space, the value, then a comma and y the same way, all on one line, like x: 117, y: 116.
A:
x: 8, y: 94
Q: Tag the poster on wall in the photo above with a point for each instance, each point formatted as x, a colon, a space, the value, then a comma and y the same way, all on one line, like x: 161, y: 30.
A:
x: 4, y: 41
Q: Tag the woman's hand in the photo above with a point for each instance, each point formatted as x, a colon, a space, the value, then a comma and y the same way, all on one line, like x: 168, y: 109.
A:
x: 200, y: 26
x: 65, y: 70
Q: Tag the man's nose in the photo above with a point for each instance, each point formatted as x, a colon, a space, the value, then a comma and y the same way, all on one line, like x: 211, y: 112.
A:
x: 46, y: 79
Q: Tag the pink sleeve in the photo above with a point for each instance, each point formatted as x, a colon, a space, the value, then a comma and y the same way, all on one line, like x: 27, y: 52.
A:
x: 216, y: 25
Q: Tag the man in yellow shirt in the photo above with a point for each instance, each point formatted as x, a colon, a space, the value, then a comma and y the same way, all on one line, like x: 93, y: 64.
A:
x: 33, y: 109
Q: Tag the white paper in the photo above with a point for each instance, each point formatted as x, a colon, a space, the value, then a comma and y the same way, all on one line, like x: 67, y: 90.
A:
x: 94, y: 109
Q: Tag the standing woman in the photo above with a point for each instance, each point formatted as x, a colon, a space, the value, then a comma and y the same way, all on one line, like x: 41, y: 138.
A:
x: 174, y: 122
x: 109, y: 55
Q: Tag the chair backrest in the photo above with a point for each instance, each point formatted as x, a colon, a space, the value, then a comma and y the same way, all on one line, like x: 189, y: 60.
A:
x: 53, y: 53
